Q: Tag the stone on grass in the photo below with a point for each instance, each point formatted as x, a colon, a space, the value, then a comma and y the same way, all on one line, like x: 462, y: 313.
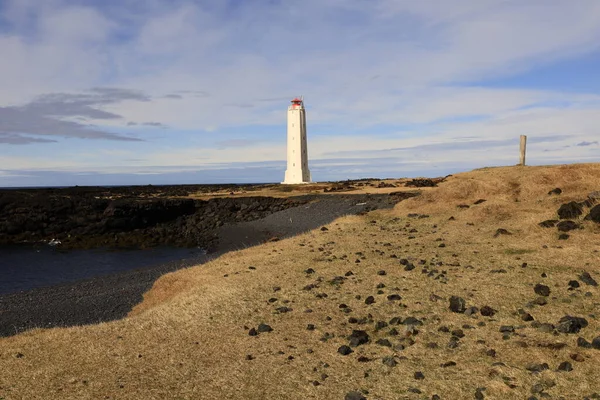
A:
x: 354, y: 396
x: 569, y: 324
x: 542, y: 290
x: 264, y: 328
x: 587, y: 279
x: 549, y: 223
x: 594, y: 214
x: 389, y: 361
x: 573, y: 284
x: 457, y: 304
x: 596, y: 343
x: 581, y: 342
x: 412, y: 321
x: 344, y: 350
x: 570, y: 210
x: 487, y: 311
x: 370, y: 300
x: 565, y: 366
x: 358, y: 337
x: 568, y: 225
x: 537, y: 367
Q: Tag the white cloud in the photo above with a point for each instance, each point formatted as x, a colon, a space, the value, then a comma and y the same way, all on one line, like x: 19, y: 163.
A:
x: 360, y: 64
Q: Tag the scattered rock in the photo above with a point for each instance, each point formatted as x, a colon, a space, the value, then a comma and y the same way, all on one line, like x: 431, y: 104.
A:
x: 457, y: 304
x: 581, y: 342
x: 573, y: 284
x: 542, y: 290
x: 419, y: 375
x: 480, y: 201
x: 549, y: 223
x: 594, y: 214
x: 370, y: 300
x: 565, y: 366
x: 264, y: 328
x: 487, y: 311
x: 568, y: 225
x: 507, y: 328
x: 570, y: 210
x: 563, y: 236
x: 358, y: 337
x: 569, y: 324
x: 556, y: 191
x: 252, y: 332
x: 596, y: 343
x: 345, y: 350
x: 354, y: 396
x: 586, y: 278
x: 537, y: 367
x: 501, y: 231
x: 577, y: 357
x: 394, y: 297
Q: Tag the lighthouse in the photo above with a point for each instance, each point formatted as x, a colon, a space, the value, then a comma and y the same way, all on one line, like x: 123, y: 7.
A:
x: 297, y: 152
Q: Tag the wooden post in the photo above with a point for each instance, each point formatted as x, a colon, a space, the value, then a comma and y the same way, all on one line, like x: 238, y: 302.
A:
x: 523, y: 146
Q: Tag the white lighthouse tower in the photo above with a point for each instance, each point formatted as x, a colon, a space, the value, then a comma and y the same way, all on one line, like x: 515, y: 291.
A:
x: 297, y: 152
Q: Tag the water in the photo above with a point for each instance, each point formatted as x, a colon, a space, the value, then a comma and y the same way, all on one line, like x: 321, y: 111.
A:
x: 24, y: 268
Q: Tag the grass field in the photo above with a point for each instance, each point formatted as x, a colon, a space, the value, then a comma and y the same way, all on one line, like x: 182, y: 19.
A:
x: 189, y: 338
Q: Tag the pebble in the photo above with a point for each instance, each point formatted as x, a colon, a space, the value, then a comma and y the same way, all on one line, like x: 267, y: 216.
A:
x: 344, y: 350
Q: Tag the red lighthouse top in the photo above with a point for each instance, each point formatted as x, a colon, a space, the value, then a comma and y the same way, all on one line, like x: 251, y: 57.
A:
x: 296, y: 102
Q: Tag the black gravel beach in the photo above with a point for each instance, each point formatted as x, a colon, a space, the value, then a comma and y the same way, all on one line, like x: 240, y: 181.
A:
x: 111, y: 297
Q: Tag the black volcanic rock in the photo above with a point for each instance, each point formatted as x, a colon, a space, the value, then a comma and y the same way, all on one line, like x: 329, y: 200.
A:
x: 457, y: 304
x: 358, y: 337
x: 556, y: 191
x: 570, y: 210
x: 542, y: 290
x: 594, y: 214
x: 568, y: 225
x: 549, y: 223
x: 587, y: 279
x: 569, y: 324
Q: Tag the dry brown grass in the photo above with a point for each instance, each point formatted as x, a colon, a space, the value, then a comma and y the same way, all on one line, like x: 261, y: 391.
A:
x: 188, y: 340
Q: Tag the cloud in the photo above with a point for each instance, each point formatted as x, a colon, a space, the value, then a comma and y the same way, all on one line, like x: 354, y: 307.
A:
x: 8, y: 138
x: 377, y: 75
x: 56, y: 115
x: 582, y: 144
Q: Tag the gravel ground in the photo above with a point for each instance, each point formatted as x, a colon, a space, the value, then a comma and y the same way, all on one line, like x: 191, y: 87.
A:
x: 111, y: 297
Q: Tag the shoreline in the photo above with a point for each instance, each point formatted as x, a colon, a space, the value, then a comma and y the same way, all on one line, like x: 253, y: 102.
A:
x: 111, y: 297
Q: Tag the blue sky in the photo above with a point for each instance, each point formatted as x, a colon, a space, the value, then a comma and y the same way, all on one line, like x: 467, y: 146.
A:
x: 195, y: 91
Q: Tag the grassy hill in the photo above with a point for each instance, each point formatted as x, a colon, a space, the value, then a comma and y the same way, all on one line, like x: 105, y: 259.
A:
x: 454, y: 297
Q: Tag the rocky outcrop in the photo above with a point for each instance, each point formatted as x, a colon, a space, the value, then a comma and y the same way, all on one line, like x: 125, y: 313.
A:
x: 81, y: 218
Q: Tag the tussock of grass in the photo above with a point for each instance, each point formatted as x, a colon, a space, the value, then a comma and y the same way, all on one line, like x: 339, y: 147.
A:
x: 189, y: 338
